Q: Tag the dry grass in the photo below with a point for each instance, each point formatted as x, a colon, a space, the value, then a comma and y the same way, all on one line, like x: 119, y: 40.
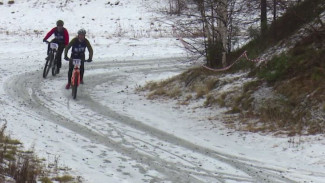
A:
x: 175, y: 87
x: 64, y: 178
x: 210, y: 100
x: 46, y: 180
x: 156, y: 93
x: 20, y: 165
x: 171, y: 93
x: 200, y: 92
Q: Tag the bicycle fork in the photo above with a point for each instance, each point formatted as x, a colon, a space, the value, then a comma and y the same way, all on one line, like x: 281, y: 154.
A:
x: 75, y: 75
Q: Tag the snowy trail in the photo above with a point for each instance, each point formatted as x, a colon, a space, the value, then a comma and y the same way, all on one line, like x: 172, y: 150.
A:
x: 153, y: 154
x: 112, y: 134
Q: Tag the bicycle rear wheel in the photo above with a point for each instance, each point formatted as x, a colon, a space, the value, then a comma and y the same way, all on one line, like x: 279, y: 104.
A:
x: 47, y: 66
x: 75, y: 88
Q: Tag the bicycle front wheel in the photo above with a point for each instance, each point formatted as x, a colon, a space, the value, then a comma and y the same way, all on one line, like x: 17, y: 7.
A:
x: 47, y: 66
x: 54, y: 65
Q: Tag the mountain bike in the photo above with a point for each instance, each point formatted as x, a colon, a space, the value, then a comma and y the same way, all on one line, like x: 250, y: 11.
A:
x: 51, y: 60
x: 75, y: 78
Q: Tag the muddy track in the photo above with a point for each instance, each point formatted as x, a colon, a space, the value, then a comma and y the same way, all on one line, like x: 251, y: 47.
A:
x: 156, y: 150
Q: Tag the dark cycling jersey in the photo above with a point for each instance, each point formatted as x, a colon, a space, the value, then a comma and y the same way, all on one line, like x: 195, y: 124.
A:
x: 79, y: 48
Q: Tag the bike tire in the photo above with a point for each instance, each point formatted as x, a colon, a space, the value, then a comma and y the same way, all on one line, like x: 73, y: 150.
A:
x: 75, y: 88
x: 54, y: 65
x: 47, y: 66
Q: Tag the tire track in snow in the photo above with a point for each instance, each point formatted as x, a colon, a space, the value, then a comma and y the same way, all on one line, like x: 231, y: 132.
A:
x: 25, y: 87
x: 257, y: 172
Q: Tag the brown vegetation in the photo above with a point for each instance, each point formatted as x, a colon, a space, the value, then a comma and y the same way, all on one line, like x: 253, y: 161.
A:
x: 19, y: 166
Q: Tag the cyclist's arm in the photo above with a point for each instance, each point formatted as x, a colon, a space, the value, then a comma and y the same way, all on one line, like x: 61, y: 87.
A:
x: 49, y: 34
x: 90, y: 50
x: 66, y: 37
x: 68, y: 47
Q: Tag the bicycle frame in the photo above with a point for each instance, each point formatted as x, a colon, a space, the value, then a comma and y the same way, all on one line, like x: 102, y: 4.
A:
x: 51, y: 62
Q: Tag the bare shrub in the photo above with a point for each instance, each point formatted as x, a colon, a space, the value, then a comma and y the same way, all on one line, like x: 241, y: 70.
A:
x: 176, y: 6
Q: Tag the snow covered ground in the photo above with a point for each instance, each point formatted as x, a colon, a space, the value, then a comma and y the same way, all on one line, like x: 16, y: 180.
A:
x: 112, y: 134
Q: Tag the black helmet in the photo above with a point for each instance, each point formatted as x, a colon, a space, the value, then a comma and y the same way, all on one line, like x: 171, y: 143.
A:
x: 59, y: 23
x: 82, y: 31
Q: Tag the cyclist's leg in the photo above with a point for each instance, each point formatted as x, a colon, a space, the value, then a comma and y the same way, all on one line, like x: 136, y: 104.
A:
x: 70, y: 70
x: 82, y: 69
x: 59, y: 55
x: 69, y: 74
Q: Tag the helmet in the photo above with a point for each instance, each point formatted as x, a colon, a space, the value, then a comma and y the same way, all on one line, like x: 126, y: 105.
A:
x: 59, y: 23
x: 82, y: 31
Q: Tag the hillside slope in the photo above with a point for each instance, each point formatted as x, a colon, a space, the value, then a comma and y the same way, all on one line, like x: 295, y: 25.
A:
x: 283, y: 94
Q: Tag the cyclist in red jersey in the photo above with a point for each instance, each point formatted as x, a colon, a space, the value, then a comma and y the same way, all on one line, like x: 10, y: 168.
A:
x: 61, y: 37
